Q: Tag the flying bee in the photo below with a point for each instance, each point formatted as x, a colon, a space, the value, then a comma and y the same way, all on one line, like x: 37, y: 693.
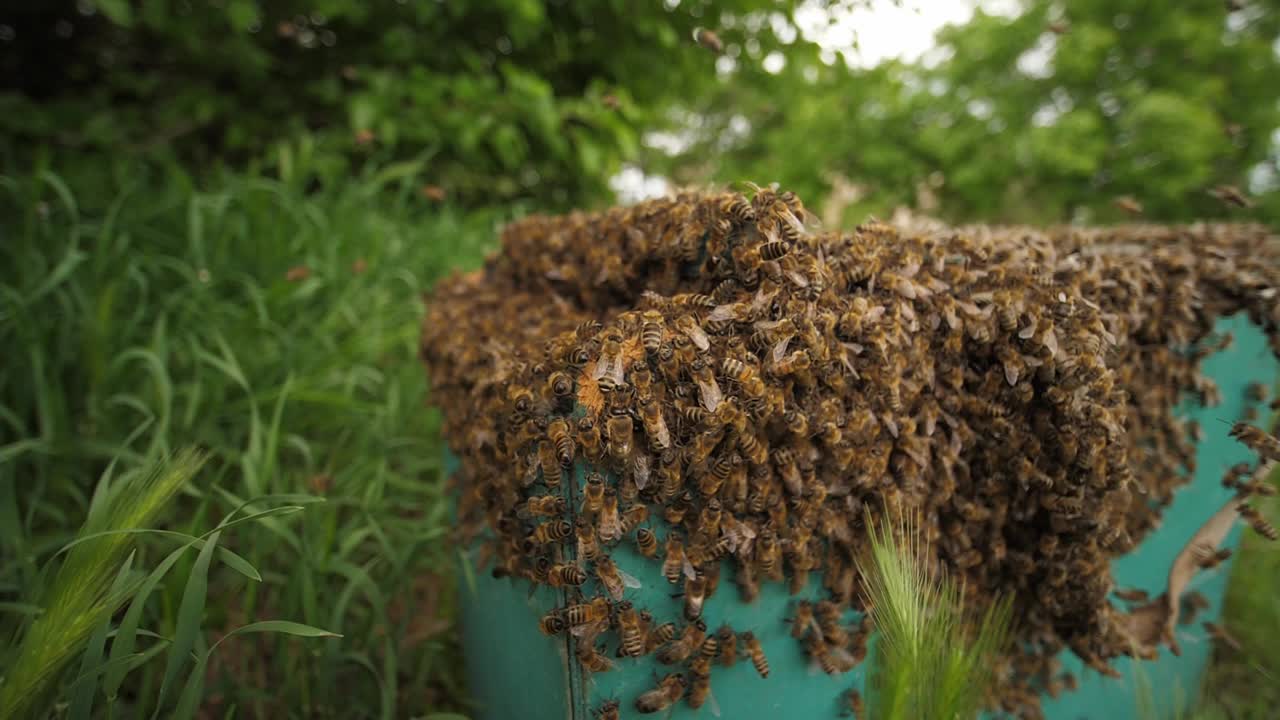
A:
x: 668, y: 692
x: 695, y: 594
x: 589, y: 438
x: 1258, y: 522
x: 1220, y: 634
x: 682, y: 647
x: 558, y: 433
x: 646, y: 542
x: 550, y: 532
x: 609, y: 524
x: 544, y: 506
x: 588, y: 547
x: 593, y: 494
x: 614, y: 580
x: 756, y: 653
x: 1257, y: 440
x: 1211, y: 559
x: 633, y: 640
x: 566, y: 574
x: 1231, y: 196
x: 620, y: 434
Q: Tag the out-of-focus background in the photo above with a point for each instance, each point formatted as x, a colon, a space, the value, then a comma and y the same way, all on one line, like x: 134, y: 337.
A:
x: 217, y: 218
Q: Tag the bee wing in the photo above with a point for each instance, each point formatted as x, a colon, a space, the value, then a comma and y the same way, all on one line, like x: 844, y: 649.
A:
x: 780, y: 349
x: 596, y: 369
x: 640, y: 471
x: 728, y: 311
x: 661, y: 434
x: 711, y: 396
x: 711, y: 703
x: 588, y: 629
x: 698, y: 337
x: 629, y: 580
x: 689, y: 571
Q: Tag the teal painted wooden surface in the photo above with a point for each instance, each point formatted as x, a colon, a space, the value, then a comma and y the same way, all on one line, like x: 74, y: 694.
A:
x: 516, y: 672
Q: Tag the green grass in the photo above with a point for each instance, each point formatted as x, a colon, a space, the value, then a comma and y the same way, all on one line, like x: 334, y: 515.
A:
x: 926, y: 632
x: 146, y: 315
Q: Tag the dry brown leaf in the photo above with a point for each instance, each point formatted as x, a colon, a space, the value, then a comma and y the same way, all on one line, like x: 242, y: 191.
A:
x: 1154, y: 622
x: 589, y: 395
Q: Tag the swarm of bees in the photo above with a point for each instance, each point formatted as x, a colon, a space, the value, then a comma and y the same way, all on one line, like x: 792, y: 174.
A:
x: 741, y: 391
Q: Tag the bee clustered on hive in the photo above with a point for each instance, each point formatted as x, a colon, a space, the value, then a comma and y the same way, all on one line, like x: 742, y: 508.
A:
x: 759, y: 387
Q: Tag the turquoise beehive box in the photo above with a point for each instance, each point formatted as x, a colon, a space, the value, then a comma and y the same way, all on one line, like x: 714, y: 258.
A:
x: 517, y: 672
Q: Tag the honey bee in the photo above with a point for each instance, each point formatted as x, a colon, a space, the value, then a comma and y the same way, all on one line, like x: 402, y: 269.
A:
x: 612, y: 578
x: 1258, y: 522
x: 585, y: 615
x: 792, y: 364
x: 591, y: 659
x: 1257, y: 440
x: 608, y: 711
x: 853, y: 704
x: 673, y: 558
x: 552, y: 470
x: 707, y: 386
x: 633, y: 639
x: 1231, y: 196
x: 646, y: 542
x: 552, y: 623
x: 1210, y: 559
x: 544, y: 506
x: 655, y: 426
x: 589, y: 438
x: 668, y: 692
x: 700, y: 684
x: 633, y: 516
x: 756, y: 653
x: 728, y: 642
x: 738, y: 209
x: 682, y: 647
x: 659, y: 636
x: 693, y: 331
x: 550, y: 532
x: 695, y: 594
x: 803, y: 619
x: 588, y: 547
x: 1128, y: 204
x: 593, y: 494
x: 652, y: 331
x: 566, y: 574
x: 1219, y: 634
x: 745, y: 375
x: 609, y: 522
x: 620, y: 434
x: 558, y: 433
x: 1132, y: 595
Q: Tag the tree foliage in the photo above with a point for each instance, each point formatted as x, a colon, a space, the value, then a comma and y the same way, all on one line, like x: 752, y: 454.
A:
x: 1045, y: 115
x: 508, y: 98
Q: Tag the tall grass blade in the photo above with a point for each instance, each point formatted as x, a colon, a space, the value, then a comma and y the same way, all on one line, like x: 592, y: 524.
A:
x: 190, y: 614
x: 933, y: 658
x: 80, y: 597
